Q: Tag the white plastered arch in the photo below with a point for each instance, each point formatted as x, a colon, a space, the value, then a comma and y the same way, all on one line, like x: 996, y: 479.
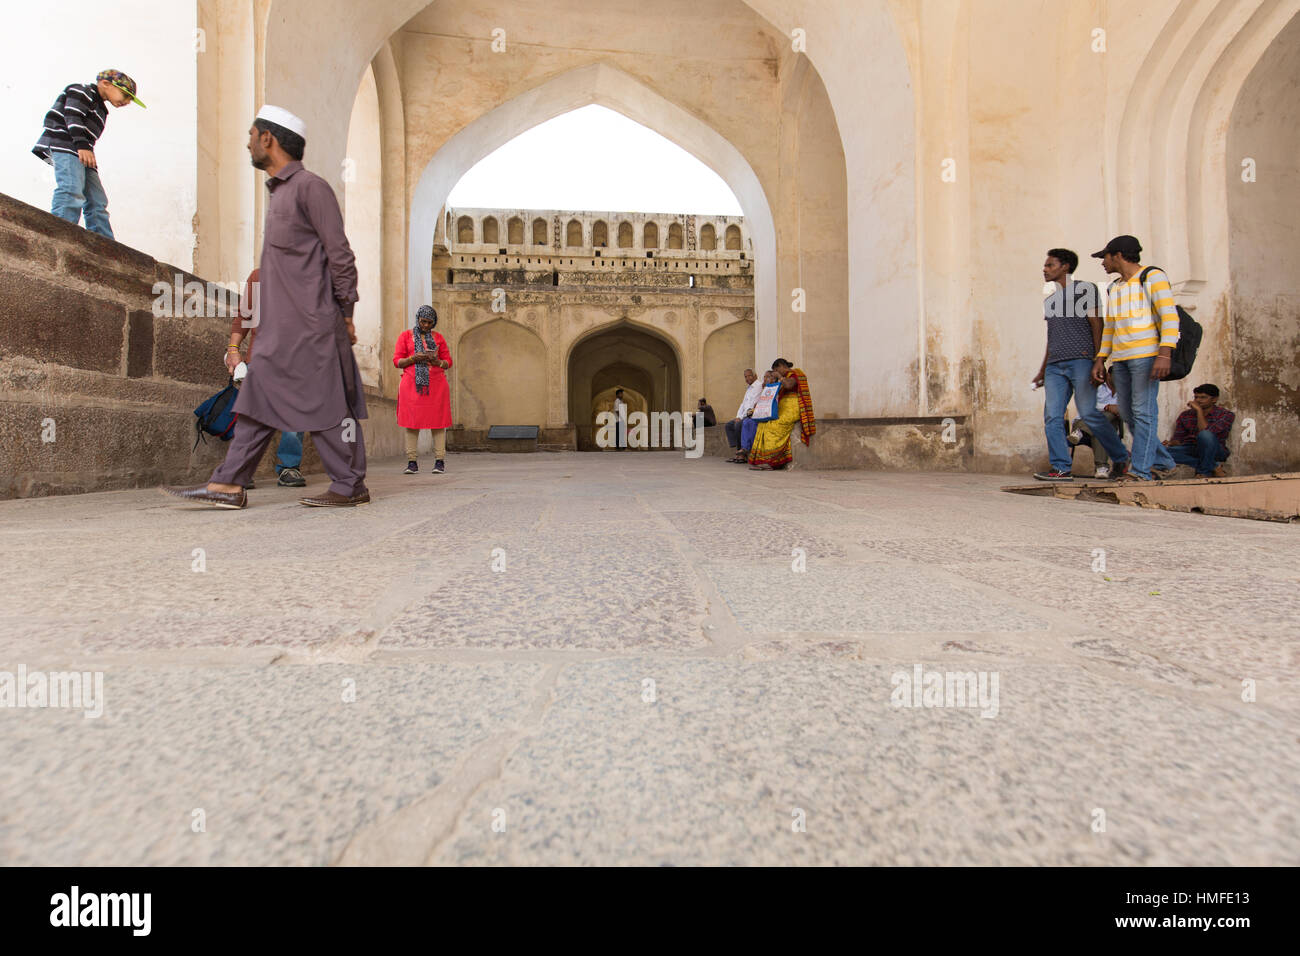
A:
x: 607, y: 86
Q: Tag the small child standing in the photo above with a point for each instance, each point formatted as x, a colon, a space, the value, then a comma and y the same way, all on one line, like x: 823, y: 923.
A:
x: 72, y: 126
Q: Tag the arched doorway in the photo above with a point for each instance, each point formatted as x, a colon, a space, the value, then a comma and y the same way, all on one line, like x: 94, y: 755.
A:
x: 622, y: 356
x: 609, y: 86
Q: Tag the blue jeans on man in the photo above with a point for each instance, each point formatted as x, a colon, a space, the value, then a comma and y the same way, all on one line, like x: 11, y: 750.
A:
x: 1204, y: 456
x: 748, y: 429
x: 1060, y: 380
x: 1163, y: 460
x: 288, y: 454
x: 1137, y: 395
x: 78, y: 190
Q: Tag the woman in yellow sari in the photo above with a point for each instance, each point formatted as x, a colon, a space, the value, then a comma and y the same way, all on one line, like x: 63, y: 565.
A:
x: 771, y: 448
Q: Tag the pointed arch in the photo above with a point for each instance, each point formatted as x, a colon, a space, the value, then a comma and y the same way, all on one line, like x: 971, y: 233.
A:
x: 610, y: 87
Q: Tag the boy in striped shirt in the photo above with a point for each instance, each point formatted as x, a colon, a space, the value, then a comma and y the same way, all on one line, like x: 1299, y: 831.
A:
x: 72, y: 127
x: 1139, y: 336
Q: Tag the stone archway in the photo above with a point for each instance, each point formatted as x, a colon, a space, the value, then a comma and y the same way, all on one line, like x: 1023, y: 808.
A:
x: 625, y: 356
x: 846, y: 48
x: 610, y: 87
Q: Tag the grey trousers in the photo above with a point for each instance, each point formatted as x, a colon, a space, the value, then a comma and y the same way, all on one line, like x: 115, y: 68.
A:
x: 344, y: 461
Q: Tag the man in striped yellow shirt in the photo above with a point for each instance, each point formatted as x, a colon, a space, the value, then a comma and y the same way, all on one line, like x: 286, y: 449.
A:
x: 1138, y: 337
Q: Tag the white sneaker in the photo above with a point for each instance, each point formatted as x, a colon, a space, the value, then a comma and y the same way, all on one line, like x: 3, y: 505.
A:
x: 1076, y: 436
x: 1103, y: 471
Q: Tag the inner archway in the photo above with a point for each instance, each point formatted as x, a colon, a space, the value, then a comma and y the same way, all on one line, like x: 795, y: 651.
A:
x: 622, y: 356
x: 611, y: 87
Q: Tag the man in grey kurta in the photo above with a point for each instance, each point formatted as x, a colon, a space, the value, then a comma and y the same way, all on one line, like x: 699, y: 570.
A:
x: 303, y: 376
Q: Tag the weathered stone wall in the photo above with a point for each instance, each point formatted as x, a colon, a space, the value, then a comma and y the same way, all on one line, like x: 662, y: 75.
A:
x: 96, y: 391
x: 1256, y: 357
x: 874, y: 444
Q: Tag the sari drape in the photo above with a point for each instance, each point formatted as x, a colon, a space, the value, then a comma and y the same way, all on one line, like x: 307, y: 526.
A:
x: 772, y: 442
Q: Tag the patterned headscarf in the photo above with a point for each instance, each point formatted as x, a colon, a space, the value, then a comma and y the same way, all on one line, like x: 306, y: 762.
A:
x: 424, y: 343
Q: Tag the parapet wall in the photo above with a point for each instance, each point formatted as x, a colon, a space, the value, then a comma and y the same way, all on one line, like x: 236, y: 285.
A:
x: 97, y: 392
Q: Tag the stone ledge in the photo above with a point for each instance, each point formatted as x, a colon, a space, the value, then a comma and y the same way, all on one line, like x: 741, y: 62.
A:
x: 34, y: 241
x: 462, y: 438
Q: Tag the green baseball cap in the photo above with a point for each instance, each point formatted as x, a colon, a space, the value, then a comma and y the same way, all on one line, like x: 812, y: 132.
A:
x: 122, y: 82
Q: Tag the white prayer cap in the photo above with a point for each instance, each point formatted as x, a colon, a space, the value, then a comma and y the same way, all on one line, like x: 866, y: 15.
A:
x: 282, y: 117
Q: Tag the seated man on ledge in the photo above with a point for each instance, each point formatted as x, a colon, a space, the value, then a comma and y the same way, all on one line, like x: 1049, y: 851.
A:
x: 1201, y: 433
x: 735, y: 428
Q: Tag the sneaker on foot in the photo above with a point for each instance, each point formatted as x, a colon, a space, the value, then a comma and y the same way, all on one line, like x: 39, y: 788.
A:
x: 291, y: 478
x: 1103, y: 472
x: 438, y: 467
x: 1053, y: 475
x: 411, y: 468
x: 1076, y: 436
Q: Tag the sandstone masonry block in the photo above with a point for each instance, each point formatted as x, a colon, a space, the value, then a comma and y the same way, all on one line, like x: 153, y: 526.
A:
x: 53, y: 323
x: 190, y: 350
x: 24, y: 247
x: 105, y: 274
x: 139, y: 344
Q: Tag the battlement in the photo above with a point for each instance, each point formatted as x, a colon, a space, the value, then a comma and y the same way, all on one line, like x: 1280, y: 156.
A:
x: 596, y: 234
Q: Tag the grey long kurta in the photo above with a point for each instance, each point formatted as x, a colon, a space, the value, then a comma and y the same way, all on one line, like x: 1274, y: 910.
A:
x: 303, y: 375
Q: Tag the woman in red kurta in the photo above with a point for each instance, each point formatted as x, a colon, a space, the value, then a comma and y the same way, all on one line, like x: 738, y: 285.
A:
x: 423, y: 398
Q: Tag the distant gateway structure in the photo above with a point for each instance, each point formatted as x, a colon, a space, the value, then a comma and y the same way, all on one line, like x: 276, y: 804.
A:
x: 548, y: 311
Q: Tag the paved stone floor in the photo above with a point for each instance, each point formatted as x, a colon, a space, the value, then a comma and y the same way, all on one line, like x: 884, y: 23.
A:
x: 567, y: 658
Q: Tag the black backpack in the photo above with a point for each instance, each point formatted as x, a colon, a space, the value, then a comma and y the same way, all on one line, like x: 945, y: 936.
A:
x: 1189, y: 338
x: 216, y: 415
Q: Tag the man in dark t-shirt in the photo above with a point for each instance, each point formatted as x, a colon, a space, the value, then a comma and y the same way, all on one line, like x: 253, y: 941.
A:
x: 710, y: 419
x: 1073, y: 338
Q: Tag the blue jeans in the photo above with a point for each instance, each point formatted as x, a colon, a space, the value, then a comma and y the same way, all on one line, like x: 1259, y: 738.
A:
x: 748, y: 429
x: 288, y: 454
x: 76, y: 189
x: 1060, y: 380
x: 1204, y: 456
x: 1163, y: 460
x: 1136, y: 393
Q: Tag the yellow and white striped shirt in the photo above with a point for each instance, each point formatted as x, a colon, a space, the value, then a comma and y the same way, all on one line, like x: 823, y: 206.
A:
x: 1130, y: 331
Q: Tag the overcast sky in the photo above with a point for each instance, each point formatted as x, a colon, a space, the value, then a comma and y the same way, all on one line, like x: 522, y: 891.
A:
x: 594, y: 158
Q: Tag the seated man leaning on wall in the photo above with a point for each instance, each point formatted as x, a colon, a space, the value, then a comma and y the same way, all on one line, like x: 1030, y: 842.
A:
x: 1201, y: 433
x: 735, y: 427
x: 710, y: 418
